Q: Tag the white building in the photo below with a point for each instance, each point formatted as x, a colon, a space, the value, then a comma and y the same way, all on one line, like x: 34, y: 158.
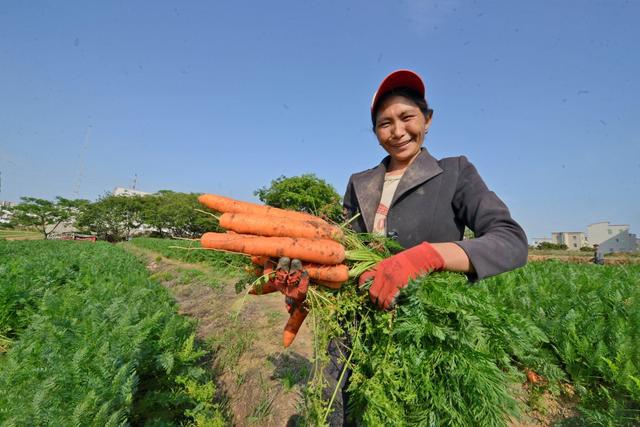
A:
x: 122, y: 191
x: 5, y: 213
x: 601, y: 231
x: 609, y: 238
x: 621, y: 242
x: 573, y: 239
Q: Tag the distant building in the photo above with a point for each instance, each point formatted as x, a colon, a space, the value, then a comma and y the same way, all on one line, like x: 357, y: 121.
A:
x: 602, y: 231
x: 5, y: 214
x: 573, y: 239
x: 609, y: 238
x: 122, y: 191
x: 621, y: 242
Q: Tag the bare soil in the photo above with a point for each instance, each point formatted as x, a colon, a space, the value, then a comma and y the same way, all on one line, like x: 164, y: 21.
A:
x: 260, y: 381
x: 545, y: 409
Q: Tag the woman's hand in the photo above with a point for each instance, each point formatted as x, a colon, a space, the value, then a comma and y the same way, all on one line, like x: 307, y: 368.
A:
x: 290, y: 278
x: 392, y: 274
x: 292, y: 281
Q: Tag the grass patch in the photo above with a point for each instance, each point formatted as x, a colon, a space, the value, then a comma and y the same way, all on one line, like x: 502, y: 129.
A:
x: 188, y: 276
x: 262, y: 410
x: 275, y: 317
x: 164, y: 276
x: 11, y: 234
x: 231, y: 344
x: 190, y: 251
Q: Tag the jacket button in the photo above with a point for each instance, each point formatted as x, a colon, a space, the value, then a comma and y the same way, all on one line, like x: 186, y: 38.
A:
x: 393, y: 234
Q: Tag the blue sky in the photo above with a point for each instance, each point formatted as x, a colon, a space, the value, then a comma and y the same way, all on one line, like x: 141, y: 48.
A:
x: 223, y: 97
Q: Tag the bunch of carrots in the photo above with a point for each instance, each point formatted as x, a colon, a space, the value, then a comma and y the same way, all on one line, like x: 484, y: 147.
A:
x: 266, y: 234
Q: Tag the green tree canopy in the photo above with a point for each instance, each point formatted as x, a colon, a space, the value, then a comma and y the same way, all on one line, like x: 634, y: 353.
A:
x: 46, y: 215
x: 551, y: 246
x: 112, y: 218
x: 177, y: 214
x: 306, y: 193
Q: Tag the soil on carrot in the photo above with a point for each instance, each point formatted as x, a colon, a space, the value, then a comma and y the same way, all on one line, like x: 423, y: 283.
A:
x: 260, y: 380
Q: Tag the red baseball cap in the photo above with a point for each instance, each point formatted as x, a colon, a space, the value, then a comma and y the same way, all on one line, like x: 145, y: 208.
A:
x: 399, y: 78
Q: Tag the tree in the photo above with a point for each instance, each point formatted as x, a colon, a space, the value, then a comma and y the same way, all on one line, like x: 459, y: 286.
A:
x: 306, y: 193
x: 45, y: 215
x: 176, y: 214
x: 112, y: 218
x: 551, y: 246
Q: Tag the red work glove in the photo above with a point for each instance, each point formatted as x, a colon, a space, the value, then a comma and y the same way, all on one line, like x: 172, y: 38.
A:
x: 392, y: 274
x: 289, y: 278
x: 292, y: 281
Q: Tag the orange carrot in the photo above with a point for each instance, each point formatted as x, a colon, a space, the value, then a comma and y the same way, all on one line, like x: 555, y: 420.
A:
x: 533, y: 377
x: 293, y: 325
x: 329, y: 273
x: 274, y: 226
x: 329, y: 284
x: 226, y: 204
x: 320, y: 251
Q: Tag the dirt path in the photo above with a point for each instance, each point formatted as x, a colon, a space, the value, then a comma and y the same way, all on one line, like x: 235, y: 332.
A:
x: 261, y: 380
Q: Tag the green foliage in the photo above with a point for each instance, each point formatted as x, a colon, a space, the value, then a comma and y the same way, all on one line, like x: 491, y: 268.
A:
x: 112, y: 218
x: 591, y: 315
x: 306, y: 193
x: 43, y: 214
x: 116, y: 218
x: 95, y: 342
x: 448, y: 356
x: 455, y: 353
x: 469, y: 234
x: 176, y: 214
x: 190, y: 251
x: 551, y: 246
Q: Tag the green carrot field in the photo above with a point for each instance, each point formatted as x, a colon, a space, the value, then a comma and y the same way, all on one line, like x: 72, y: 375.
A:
x: 455, y: 353
x: 93, y: 340
x: 89, y: 339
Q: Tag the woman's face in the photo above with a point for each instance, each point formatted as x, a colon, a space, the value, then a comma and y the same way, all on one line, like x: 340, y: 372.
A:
x: 400, y: 128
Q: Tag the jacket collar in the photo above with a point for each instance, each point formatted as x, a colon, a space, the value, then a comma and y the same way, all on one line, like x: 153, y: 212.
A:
x: 368, y: 184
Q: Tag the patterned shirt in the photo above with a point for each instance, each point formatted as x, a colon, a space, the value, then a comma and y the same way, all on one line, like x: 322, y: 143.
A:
x: 391, y: 182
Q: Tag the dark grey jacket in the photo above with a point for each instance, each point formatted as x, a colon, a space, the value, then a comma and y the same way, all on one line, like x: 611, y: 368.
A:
x: 434, y: 201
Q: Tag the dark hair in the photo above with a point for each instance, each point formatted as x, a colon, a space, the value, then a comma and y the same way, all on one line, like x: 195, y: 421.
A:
x: 410, y: 94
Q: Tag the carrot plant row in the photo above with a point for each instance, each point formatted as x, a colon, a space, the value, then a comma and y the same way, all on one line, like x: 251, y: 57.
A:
x: 455, y: 353
x: 93, y: 341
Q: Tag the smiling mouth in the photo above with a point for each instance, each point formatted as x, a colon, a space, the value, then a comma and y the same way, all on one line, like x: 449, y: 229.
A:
x: 400, y: 145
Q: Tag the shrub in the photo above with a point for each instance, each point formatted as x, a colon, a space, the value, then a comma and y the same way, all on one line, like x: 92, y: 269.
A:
x: 551, y: 246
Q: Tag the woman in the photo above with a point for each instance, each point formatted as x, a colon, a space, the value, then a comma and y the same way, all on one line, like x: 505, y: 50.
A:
x: 424, y: 204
